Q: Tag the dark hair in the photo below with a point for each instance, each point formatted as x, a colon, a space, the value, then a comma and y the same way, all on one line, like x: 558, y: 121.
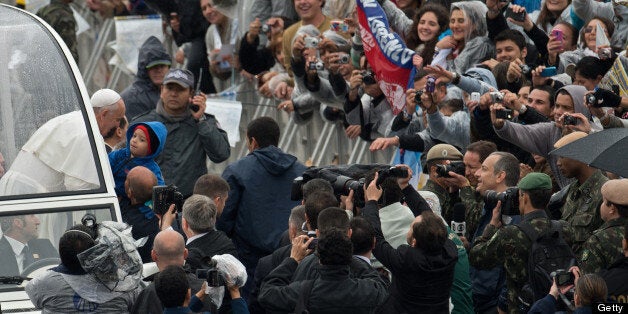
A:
x: 333, y: 218
x: 454, y: 104
x: 548, y: 89
x: 316, y: 203
x: 171, y: 286
x: 265, y: 130
x: 539, y: 198
x: 508, y: 163
x: 316, y: 184
x: 591, y: 288
x: 211, y: 185
x: 591, y: 67
x: 74, y: 241
x: 413, y: 40
x: 511, y: 34
x: 610, y: 26
x: 362, y: 235
x: 482, y: 148
x: 334, y: 248
x: 430, y: 233
x: 622, y: 210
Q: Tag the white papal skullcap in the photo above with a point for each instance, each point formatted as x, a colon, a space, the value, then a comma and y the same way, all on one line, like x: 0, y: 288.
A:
x: 104, y: 97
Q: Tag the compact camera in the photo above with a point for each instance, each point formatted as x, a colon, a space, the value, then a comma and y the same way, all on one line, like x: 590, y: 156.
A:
x: 430, y: 84
x: 496, y: 97
x: 311, y: 42
x: 525, y: 69
x: 265, y: 28
x: 368, y: 77
x: 605, y: 53
x: 318, y: 66
x: 570, y: 120
x: 591, y: 100
x: 417, y: 97
x: 344, y: 59
x: 563, y: 277
x: 455, y: 166
x: 164, y: 196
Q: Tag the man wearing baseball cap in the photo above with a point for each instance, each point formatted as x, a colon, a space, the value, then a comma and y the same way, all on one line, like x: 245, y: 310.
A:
x: 438, y: 155
x: 193, y: 135
x: 604, y: 246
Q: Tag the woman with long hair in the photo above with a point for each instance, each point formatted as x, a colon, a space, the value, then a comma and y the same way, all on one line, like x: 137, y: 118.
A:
x: 429, y: 22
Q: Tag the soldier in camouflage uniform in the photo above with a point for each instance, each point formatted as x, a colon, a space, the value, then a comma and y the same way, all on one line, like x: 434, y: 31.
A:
x: 440, y: 185
x: 59, y: 15
x: 509, y: 245
x: 583, y: 200
x: 604, y: 247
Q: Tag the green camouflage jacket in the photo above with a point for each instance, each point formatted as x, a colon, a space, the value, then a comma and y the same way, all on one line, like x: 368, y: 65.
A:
x: 59, y: 15
x: 603, y: 247
x: 446, y: 199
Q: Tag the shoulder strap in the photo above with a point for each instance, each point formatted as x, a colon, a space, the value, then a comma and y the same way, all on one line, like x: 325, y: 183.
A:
x: 304, y: 297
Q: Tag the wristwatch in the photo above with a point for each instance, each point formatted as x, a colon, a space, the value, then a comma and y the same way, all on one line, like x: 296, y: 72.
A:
x: 455, y: 78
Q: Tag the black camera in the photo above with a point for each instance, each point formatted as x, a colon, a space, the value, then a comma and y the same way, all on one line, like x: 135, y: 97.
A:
x: 570, y: 120
x: 417, y: 97
x: 455, y: 166
x: 211, y: 274
x: 525, y: 69
x: 591, y: 100
x: 343, y: 185
x: 164, y: 196
x: 509, y: 199
x: 395, y: 172
x: 503, y: 114
x: 368, y: 77
x: 314, y: 243
x: 563, y: 277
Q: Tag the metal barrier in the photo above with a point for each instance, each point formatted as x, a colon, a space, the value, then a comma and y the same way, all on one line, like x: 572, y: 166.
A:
x: 318, y: 142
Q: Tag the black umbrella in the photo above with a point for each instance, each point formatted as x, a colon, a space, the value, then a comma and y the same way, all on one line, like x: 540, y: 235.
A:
x: 606, y: 150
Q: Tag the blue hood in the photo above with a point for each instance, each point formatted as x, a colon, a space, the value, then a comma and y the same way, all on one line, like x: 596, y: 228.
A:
x: 160, y: 131
x: 274, y: 160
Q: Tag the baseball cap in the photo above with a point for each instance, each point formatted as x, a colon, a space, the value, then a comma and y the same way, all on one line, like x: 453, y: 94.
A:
x: 185, y: 78
x: 158, y: 62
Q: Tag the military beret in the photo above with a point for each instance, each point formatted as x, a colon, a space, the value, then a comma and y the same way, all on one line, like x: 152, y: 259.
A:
x: 571, y: 137
x: 616, y: 191
x: 443, y: 152
x: 535, y: 181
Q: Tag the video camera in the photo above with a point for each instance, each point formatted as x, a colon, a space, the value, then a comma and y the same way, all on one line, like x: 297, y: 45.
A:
x: 211, y: 274
x: 343, y: 179
x: 509, y: 199
x: 164, y: 196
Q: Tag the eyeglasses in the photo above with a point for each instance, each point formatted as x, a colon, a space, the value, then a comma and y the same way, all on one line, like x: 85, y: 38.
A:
x: 589, y: 29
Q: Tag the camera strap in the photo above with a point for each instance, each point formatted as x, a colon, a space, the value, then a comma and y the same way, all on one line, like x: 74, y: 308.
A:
x: 304, y: 297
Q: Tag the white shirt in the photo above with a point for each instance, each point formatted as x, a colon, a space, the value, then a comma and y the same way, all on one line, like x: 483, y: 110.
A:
x: 190, y: 239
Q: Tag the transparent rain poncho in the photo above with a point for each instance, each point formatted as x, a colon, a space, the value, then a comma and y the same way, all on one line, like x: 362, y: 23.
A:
x: 234, y: 274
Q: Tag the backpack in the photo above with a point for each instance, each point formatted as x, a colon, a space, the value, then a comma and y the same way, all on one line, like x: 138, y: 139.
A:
x: 549, y: 252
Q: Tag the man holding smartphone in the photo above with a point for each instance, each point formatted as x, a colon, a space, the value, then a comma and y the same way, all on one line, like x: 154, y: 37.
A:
x: 193, y: 135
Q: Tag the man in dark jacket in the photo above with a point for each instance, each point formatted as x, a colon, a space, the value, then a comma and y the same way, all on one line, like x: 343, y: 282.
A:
x: 193, y: 135
x: 257, y: 210
x: 423, y: 271
x: 204, y: 241
x: 333, y: 292
x: 153, y: 63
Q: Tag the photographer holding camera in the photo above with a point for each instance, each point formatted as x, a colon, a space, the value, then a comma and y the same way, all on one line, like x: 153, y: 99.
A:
x: 511, y: 245
x: 439, y: 181
x: 366, y: 105
x: 588, y: 290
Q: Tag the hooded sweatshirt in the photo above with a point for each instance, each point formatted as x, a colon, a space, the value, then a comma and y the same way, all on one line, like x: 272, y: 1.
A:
x: 258, y: 206
x: 122, y: 162
x: 143, y: 95
x: 539, y: 138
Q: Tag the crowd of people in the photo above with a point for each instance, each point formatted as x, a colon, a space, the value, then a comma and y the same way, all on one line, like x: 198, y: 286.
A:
x: 499, y: 89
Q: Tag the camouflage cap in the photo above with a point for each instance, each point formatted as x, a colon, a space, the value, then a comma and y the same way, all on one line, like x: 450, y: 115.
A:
x: 182, y: 77
x: 535, y: 181
x: 616, y: 191
x: 443, y: 152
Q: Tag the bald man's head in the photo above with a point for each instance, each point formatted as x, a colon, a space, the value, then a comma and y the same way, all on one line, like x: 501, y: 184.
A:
x: 139, y: 184
x: 169, y: 249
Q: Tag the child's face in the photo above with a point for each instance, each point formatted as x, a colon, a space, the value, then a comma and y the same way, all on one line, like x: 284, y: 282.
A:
x: 139, y: 145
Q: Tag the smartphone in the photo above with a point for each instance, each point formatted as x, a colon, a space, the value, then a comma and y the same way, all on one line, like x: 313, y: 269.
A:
x: 558, y: 34
x: 520, y: 17
x: 549, y: 71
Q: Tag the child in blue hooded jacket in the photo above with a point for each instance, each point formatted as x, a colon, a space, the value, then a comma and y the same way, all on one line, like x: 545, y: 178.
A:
x: 144, y: 142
